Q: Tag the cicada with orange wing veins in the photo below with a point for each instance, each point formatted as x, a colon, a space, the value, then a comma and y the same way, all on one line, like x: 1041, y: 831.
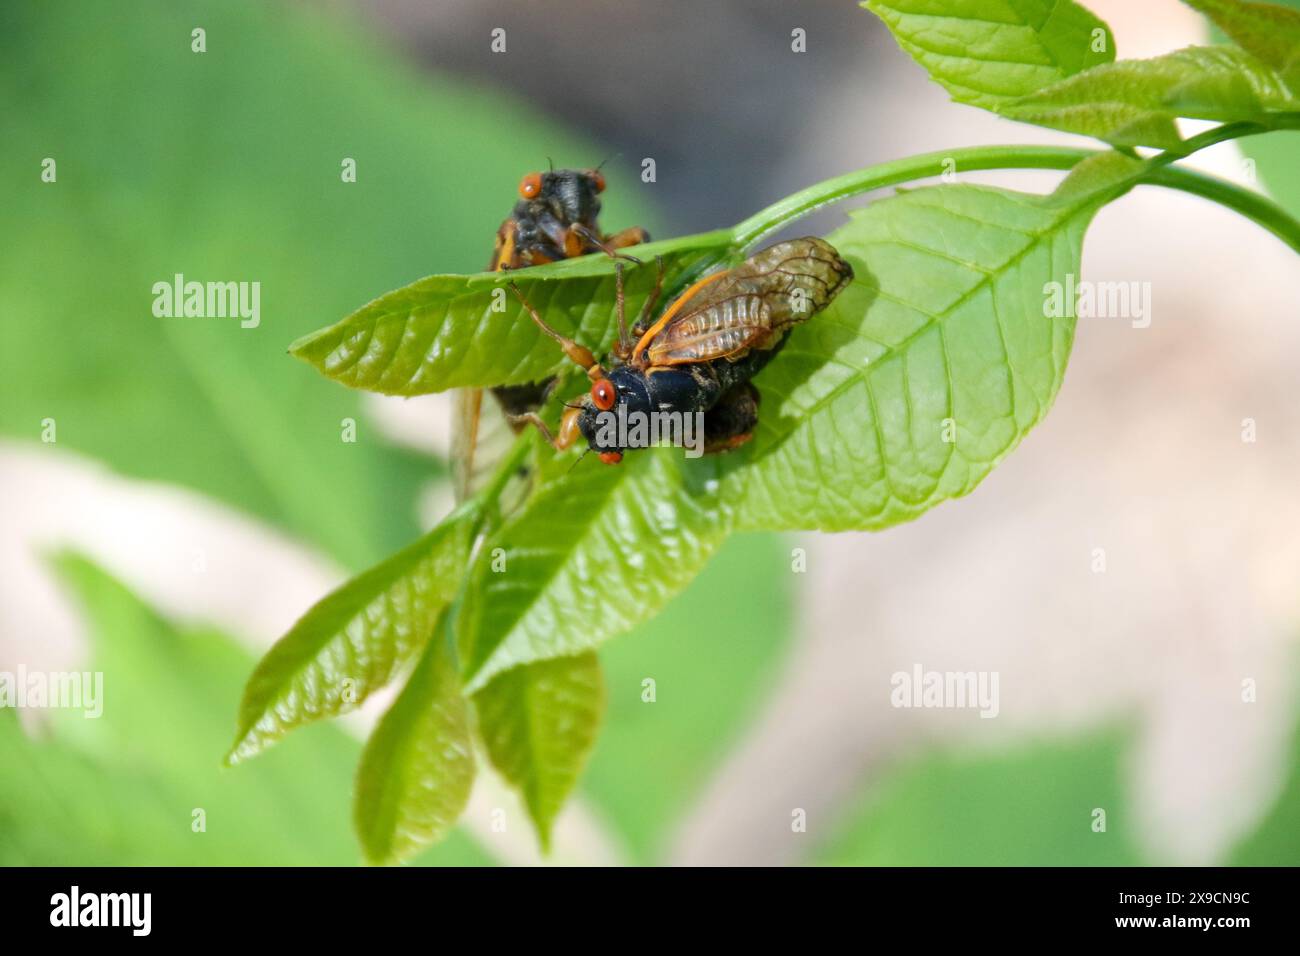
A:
x: 556, y: 217
x: 701, y: 352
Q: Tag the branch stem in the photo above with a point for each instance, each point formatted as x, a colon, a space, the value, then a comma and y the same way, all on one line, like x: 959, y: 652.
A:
x: 1158, y: 172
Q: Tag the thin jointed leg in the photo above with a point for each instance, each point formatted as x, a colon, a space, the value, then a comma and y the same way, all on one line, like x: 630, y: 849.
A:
x: 578, y: 354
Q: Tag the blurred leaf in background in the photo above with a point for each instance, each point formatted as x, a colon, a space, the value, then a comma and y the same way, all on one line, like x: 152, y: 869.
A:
x: 1031, y: 806
x: 124, y: 789
x: 712, y: 659
x: 1276, y: 842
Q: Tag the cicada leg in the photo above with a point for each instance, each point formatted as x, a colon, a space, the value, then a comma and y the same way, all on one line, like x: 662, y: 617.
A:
x: 580, y: 355
x: 633, y: 236
x: 515, y: 400
x: 623, y: 350
x: 568, y: 427
x: 578, y: 237
x: 620, y: 347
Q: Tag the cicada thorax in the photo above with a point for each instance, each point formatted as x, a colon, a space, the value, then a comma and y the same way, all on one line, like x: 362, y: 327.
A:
x: 687, y: 388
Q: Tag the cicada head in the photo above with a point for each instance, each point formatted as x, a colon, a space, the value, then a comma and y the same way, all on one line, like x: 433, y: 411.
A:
x: 573, y: 195
x: 615, y: 397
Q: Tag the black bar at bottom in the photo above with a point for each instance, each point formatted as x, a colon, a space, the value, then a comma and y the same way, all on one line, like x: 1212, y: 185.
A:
x: 338, y: 906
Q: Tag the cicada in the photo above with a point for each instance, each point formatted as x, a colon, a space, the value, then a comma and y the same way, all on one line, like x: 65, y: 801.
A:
x: 700, y: 354
x: 556, y: 217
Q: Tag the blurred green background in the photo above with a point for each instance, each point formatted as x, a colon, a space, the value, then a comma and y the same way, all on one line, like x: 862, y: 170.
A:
x: 226, y: 164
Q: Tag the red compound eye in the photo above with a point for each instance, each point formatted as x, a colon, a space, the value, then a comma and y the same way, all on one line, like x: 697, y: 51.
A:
x: 611, y: 457
x: 530, y: 185
x: 603, y: 394
x: 598, y: 179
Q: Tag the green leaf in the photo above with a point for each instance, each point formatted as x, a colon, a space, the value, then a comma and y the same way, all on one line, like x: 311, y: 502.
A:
x: 1269, y: 31
x: 945, y: 322
x: 1028, y: 806
x: 450, y: 331
x: 590, y: 555
x: 990, y: 52
x: 539, y: 725
x: 1111, y: 173
x: 1277, y: 158
x: 944, y: 329
x: 354, y: 640
x: 417, y: 770
x: 1276, y: 841
x: 1136, y: 102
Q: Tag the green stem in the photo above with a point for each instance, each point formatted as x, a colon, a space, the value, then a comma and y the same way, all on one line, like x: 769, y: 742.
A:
x: 1221, y: 134
x: 924, y: 166
x: 1254, y: 206
x: 1159, y: 172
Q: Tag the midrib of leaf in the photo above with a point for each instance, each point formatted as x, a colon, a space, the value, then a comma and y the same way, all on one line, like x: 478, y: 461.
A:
x: 1000, y: 26
x: 412, y: 324
x: 565, y: 695
x: 533, y: 780
x: 986, y: 90
x: 591, y: 518
x: 390, y: 811
x: 532, y: 792
x: 701, y: 524
x: 418, y: 766
x: 279, y: 698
